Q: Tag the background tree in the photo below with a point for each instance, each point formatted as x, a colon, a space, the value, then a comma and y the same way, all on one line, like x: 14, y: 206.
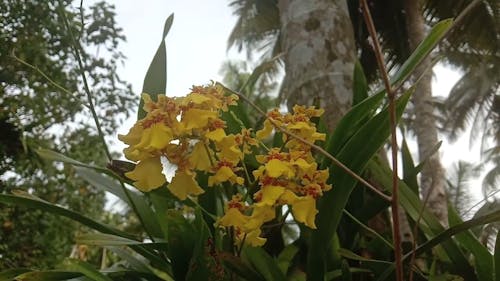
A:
x: 401, y: 28
x: 42, y: 105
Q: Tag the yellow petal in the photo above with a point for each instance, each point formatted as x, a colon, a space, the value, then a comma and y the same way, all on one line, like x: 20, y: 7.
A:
x: 135, y: 154
x: 275, y: 168
x: 133, y: 136
x: 260, y: 215
x: 288, y: 197
x: 223, y: 174
x: 253, y: 238
x: 183, y: 184
x: 216, y: 135
x: 266, y: 131
x: 147, y: 174
x: 270, y: 194
x: 304, y: 211
x: 156, y: 137
x: 199, y: 157
x: 233, y: 217
x: 304, y: 166
x: 229, y: 149
x: 197, y: 118
x: 195, y: 98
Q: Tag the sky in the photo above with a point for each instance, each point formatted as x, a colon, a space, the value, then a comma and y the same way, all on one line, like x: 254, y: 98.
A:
x: 197, y: 47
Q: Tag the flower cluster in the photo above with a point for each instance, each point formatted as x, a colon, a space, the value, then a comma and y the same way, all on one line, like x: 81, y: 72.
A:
x: 190, y: 133
x: 179, y: 129
x: 287, y: 176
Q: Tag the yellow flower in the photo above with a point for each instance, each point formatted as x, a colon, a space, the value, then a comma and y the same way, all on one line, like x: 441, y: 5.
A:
x: 253, y: 238
x: 216, y: 135
x: 133, y: 136
x: 260, y: 215
x: 156, y: 137
x: 135, y: 154
x: 200, y: 159
x: 233, y: 217
x: 303, y: 166
x: 184, y: 184
x: 266, y: 131
x: 224, y: 173
x: 229, y: 149
x: 269, y: 195
x: 304, y: 210
x: 276, y: 168
x: 195, y: 98
x: 147, y: 174
x: 197, y: 118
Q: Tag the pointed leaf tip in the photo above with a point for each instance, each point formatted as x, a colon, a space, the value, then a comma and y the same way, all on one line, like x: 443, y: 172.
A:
x: 168, y: 25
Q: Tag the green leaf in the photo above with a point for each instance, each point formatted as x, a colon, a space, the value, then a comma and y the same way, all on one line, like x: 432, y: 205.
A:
x: 483, y: 260
x: 155, y: 82
x: 409, y: 171
x: 286, y: 256
x: 49, y: 275
x: 106, y: 183
x: 355, y: 155
x: 236, y: 265
x: 331, y: 275
x: 30, y: 201
x: 134, y: 262
x: 199, y: 264
x: 352, y: 256
x: 9, y: 274
x: 264, y: 263
x: 360, y: 86
x: 429, y: 224
x: 423, y: 49
x: 87, y: 269
x: 346, y: 272
x: 497, y: 258
x: 55, y: 156
x: 101, y: 239
x: 350, y: 124
x: 181, y: 242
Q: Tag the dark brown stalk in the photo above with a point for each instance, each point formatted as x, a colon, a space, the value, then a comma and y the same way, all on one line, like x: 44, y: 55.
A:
x: 394, y: 144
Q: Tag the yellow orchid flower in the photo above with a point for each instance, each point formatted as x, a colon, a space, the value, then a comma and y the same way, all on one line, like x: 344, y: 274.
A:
x: 269, y: 195
x: 276, y: 168
x: 229, y: 149
x: 233, y: 217
x: 147, y: 174
x: 304, y: 210
x: 225, y: 173
x: 253, y: 238
x: 184, y: 184
x: 156, y: 137
x: 195, y: 118
x: 200, y: 157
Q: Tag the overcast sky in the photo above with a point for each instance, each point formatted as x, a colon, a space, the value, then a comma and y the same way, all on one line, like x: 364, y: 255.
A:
x: 196, y: 49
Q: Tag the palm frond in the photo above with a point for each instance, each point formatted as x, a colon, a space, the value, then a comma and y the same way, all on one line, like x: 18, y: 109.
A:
x: 258, y: 24
x: 461, y: 175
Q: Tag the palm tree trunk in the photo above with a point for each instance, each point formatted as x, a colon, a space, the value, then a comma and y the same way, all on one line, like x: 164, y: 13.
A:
x: 432, y: 178
x: 318, y: 42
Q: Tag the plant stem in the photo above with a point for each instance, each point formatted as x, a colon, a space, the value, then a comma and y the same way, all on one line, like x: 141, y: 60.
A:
x: 394, y: 144
x: 94, y: 113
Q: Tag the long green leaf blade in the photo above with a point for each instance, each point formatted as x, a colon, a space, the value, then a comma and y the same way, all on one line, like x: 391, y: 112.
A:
x: 155, y: 82
x: 354, y: 154
x: 86, y: 269
x: 423, y: 49
x: 49, y: 275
